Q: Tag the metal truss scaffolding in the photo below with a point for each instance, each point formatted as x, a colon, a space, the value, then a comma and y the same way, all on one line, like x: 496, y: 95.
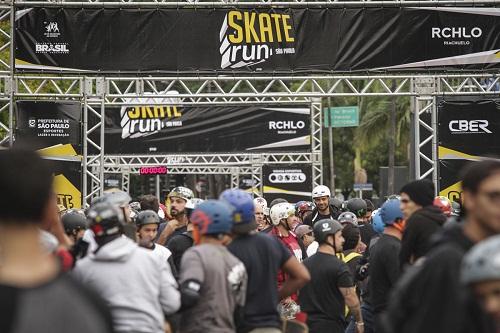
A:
x: 96, y: 91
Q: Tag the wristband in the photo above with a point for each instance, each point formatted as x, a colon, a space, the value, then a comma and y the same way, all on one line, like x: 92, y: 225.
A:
x: 360, y: 324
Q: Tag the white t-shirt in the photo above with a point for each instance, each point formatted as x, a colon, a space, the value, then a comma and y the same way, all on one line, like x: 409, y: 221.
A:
x: 312, y: 248
x: 162, y: 252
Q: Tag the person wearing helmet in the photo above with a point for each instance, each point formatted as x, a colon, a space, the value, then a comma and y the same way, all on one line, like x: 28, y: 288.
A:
x: 261, y: 212
x: 303, y: 209
x: 348, y: 218
x: 75, y: 225
x: 444, y: 204
x: 147, y: 222
x: 359, y: 207
x: 34, y: 294
x: 332, y: 289
x: 212, y: 280
x: 180, y: 243
x: 384, y: 268
x: 321, y: 197
x: 120, y: 266
x: 435, y: 282
x: 178, y: 198
x: 423, y: 220
x: 257, y: 250
x: 306, y: 235
x: 283, y: 219
x: 480, y: 273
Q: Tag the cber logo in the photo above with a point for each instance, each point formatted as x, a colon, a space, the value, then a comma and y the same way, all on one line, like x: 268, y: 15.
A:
x: 469, y: 126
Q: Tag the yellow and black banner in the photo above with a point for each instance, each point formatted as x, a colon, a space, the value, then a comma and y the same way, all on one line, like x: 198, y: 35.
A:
x: 53, y: 128
x: 264, y: 40
x: 468, y: 129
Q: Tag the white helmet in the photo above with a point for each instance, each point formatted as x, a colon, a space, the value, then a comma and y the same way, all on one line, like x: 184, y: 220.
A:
x: 281, y: 211
x: 260, y: 201
x: 321, y: 191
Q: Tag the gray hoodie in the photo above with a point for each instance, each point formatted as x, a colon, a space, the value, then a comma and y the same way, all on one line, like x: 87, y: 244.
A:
x: 137, y: 285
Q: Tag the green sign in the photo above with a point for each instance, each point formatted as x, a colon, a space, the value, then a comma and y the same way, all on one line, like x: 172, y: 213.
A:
x: 342, y: 116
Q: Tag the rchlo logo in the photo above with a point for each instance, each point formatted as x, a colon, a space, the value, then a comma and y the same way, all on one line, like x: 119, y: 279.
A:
x: 456, y: 35
x: 249, y: 38
x: 463, y: 126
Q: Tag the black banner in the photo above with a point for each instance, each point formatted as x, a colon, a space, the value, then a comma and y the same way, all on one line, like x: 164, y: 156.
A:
x: 212, y: 129
x: 53, y: 126
x: 468, y: 129
x: 273, y: 40
x: 292, y: 182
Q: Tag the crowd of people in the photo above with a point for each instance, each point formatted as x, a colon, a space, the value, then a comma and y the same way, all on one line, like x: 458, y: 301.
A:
x: 417, y: 263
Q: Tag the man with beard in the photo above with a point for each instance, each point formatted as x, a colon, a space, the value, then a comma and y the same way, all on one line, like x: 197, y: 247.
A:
x: 178, y: 198
x: 321, y: 197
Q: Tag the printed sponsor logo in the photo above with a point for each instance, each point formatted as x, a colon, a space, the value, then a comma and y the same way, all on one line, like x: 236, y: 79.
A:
x: 149, y: 115
x: 463, y: 126
x: 287, y: 176
x: 52, y: 48
x: 250, y: 38
x: 456, y: 35
x: 286, y: 127
x: 51, y: 30
x: 32, y: 122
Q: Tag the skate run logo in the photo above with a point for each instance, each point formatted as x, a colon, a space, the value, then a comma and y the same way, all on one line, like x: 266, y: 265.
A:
x: 250, y: 38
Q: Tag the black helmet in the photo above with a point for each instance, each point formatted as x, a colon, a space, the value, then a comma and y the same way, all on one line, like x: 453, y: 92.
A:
x: 147, y: 217
x: 357, y: 206
x: 105, y: 219
x: 74, y: 221
x: 325, y: 227
x: 336, y: 203
x: 369, y: 205
x: 276, y: 201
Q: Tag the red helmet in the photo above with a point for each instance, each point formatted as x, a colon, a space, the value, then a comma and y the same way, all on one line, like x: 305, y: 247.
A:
x: 302, y: 207
x: 444, y: 204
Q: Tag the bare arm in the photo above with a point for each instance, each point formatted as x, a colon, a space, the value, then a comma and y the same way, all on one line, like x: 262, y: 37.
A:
x: 167, y: 231
x: 352, y: 301
x: 299, y: 276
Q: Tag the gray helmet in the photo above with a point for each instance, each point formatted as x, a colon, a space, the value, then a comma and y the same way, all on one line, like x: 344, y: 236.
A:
x: 325, y: 227
x: 276, y: 201
x: 482, y: 262
x: 147, y: 217
x: 105, y: 219
x: 118, y: 198
x: 348, y: 217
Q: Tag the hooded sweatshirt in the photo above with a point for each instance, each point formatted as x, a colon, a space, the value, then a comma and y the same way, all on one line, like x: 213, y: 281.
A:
x: 429, y: 296
x: 137, y: 285
x: 417, y: 236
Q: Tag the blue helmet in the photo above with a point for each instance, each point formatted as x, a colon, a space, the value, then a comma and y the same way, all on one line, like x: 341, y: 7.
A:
x: 244, y: 209
x: 377, y: 223
x: 391, y: 212
x: 213, y: 217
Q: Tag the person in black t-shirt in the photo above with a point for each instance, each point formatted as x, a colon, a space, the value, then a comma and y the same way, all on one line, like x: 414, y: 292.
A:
x: 34, y: 295
x: 384, y: 268
x: 178, y: 198
x: 332, y: 286
x: 263, y: 256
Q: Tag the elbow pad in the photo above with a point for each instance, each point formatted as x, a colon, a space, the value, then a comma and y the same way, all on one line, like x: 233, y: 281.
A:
x: 190, y: 293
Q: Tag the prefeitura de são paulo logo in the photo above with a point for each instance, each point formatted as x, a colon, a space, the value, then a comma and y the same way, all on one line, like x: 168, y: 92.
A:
x: 249, y: 38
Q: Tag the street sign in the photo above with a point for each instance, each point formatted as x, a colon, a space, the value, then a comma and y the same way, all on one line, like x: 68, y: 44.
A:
x: 341, y: 116
x: 363, y: 187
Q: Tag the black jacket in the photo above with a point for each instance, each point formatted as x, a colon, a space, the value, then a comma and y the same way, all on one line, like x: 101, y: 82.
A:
x: 420, y: 228
x: 315, y: 216
x: 429, y: 296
